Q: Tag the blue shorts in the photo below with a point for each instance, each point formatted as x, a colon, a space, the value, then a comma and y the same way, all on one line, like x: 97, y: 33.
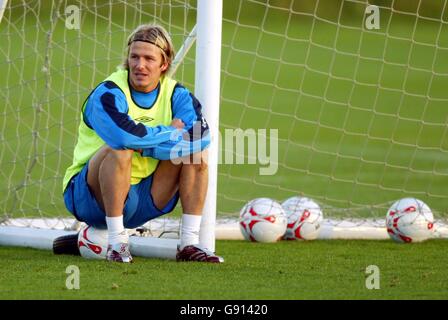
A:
x: 139, y: 207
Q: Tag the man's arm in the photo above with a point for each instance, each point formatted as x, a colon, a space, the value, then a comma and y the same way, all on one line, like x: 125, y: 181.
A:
x: 106, y: 113
x: 197, y: 138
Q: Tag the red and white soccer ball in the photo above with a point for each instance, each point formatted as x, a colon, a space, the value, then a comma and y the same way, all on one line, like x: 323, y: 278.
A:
x: 409, y: 220
x: 304, y: 218
x: 262, y: 220
x: 92, y: 243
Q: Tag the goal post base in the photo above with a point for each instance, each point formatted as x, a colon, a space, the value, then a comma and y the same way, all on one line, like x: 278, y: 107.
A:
x: 30, y: 237
x: 164, y: 245
x: 43, y: 239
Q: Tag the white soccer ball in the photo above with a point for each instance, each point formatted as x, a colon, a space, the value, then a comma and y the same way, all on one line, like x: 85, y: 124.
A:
x: 262, y: 220
x: 409, y: 220
x: 92, y: 243
x: 304, y: 218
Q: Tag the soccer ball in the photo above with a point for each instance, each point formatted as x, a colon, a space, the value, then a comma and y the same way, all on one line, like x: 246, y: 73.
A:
x: 92, y: 243
x: 262, y: 220
x: 409, y: 220
x: 304, y: 218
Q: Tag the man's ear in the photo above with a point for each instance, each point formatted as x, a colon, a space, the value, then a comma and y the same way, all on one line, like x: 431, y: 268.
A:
x: 163, y: 67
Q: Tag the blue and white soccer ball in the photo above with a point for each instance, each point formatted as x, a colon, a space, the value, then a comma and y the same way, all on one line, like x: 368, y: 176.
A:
x: 409, y: 220
x: 92, y: 243
x: 304, y: 218
x: 262, y: 220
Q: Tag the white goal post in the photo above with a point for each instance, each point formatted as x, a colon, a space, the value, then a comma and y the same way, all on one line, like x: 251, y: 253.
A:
x: 207, y: 84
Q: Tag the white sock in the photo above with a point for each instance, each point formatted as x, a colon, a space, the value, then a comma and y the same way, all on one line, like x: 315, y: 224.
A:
x: 189, y: 233
x: 116, y: 231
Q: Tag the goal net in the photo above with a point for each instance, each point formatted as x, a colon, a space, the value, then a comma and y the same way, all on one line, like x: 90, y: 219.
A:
x: 361, y: 112
x: 356, y: 102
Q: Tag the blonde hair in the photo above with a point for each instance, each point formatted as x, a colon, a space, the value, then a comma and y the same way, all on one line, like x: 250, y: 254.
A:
x: 156, y: 35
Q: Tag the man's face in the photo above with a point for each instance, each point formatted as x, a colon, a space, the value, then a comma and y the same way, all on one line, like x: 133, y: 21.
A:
x: 145, y: 66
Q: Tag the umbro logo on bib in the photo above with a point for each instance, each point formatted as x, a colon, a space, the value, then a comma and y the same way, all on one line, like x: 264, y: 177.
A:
x: 144, y: 119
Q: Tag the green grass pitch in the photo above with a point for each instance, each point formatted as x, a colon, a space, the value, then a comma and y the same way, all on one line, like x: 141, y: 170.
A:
x: 285, y: 270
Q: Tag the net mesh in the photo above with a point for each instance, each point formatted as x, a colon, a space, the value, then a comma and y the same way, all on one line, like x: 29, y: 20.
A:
x: 360, y: 113
x: 49, y: 67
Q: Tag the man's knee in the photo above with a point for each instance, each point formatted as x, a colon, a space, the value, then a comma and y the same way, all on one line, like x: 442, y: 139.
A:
x: 198, y: 161
x: 122, y: 158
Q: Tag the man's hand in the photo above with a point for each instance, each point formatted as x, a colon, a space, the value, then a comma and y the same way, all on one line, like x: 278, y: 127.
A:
x: 177, y: 123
